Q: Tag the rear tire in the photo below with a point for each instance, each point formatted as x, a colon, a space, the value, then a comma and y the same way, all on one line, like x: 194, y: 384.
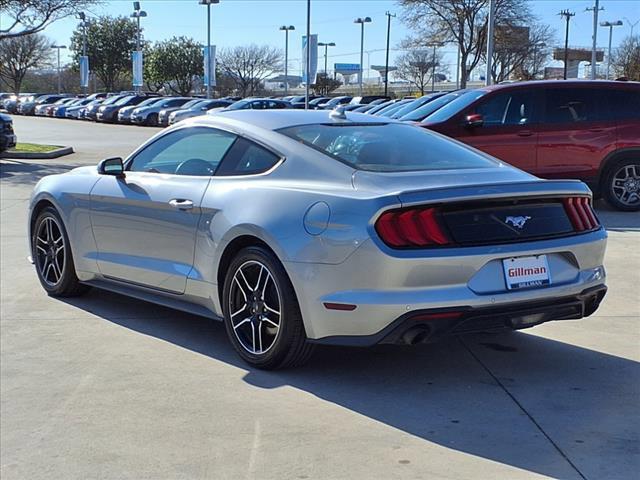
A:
x: 261, y: 313
x: 621, y: 185
x: 52, y: 256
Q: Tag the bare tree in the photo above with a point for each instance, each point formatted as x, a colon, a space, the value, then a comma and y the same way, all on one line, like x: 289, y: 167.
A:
x: 250, y: 65
x: 626, y: 61
x: 416, y: 67
x: 33, y: 16
x: 463, y: 22
x: 20, y: 54
x: 325, y: 84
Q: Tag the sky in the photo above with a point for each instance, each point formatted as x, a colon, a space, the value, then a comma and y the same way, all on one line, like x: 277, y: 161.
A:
x: 241, y: 22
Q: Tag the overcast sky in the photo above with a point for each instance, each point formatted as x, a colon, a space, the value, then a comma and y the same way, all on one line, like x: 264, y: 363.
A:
x: 238, y: 22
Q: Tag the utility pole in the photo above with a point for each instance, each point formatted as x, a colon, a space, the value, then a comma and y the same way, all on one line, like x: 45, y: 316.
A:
x: 386, y: 62
x: 308, y: 59
x: 490, y: 27
x: 361, y: 21
x: 617, y: 23
x: 286, y: 31
x: 631, y: 24
x: 567, y: 15
x: 595, y: 9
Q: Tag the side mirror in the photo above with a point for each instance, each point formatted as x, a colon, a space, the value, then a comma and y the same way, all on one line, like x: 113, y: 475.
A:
x: 111, y: 166
x: 473, y: 120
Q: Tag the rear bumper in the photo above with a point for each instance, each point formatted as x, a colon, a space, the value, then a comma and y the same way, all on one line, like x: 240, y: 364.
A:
x: 422, y: 326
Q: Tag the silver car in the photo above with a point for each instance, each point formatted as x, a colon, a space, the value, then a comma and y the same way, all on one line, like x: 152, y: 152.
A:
x: 297, y: 228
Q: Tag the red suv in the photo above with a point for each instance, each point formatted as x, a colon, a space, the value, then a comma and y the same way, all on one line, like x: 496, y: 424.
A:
x: 588, y: 130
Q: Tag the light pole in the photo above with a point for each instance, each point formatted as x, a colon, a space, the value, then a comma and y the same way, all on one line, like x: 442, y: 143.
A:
x: 617, y: 23
x: 433, y: 63
x: 386, y: 61
x: 208, y: 3
x: 536, y: 46
x: 59, y: 47
x: 490, y: 29
x: 83, y: 18
x: 361, y: 21
x: 326, y: 46
x: 137, y: 14
x: 631, y: 24
x: 286, y: 31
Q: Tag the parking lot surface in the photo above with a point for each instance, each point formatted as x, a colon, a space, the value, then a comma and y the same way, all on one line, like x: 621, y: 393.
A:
x: 108, y: 387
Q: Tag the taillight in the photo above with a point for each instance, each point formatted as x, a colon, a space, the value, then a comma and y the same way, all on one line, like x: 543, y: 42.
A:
x: 580, y: 213
x: 413, y: 227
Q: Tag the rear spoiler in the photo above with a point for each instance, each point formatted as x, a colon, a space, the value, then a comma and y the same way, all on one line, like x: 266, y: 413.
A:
x: 520, y: 190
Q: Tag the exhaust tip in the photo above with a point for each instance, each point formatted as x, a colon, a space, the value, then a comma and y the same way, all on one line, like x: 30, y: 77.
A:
x: 416, y: 335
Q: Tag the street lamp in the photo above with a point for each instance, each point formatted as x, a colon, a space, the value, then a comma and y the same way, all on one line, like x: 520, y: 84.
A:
x: 286, y: 55
x: 326, y: 46
x: 137, y: 14
x: 59, y: 47
x: 208, y: 3
x: 361, y: 21
x: 617, y: 23
x: 433, y: 63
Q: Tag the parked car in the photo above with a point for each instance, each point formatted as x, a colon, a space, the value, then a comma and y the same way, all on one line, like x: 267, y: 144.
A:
x: 8, y: 137
x: 124, y: 114
x: 91, y: 111
x: 368, y: 99
x: 149, y: 115
x: 46, y: 110
x: 374, y: 232
x: 417, y: 103
x: 252, y: 104
x: 334, y: 102
x: 200, y: 108
x: 424, y: 111
x: 299, y: 101
x: 556, y: 129
x: 163, y: 115
x: 109, y: 113
x: 381, y: 106
x: 12, y: 103
x: 391, y: 109
x: 28, y: 107
x: 60, y: 111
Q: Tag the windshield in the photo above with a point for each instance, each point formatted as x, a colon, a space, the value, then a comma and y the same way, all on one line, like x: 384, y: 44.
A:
x: 425, y: 110
x: 124, y: 100
x: 192, y: 103
x: 242, y: 104
x: 111, y: 100
x: 393, y: 147
x: 455, y: 106
x: 149, y: 101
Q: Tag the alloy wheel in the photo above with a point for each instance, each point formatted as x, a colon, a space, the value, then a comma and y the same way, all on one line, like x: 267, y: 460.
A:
x: 626, y: 185
x: 50, y: 251
x: 255, y: 307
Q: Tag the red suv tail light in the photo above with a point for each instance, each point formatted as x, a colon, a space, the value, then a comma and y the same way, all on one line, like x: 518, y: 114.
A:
x: 580, y: 213
x: 413, y: 227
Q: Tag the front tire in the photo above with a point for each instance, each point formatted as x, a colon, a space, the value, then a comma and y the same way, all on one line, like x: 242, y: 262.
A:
x: 152, y: 120
x: 261, y: 313
x: 621, y: 186
x: 52, y: 256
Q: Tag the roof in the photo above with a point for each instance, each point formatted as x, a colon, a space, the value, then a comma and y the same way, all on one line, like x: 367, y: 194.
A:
x: 571, y: 82
x: 277, y: 119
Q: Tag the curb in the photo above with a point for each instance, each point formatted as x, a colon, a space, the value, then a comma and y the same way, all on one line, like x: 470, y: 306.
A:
x: 35, y: 156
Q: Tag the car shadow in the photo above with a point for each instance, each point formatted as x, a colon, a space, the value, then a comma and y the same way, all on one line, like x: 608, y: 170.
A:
x: 28, y: 173
x: 442, y: 392
x: 615, y: 220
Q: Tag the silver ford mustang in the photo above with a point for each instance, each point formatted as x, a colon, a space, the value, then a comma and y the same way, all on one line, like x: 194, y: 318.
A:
x: 297, y: 228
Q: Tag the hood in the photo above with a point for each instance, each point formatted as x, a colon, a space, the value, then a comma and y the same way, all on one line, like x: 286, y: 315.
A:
x: 86, y: 170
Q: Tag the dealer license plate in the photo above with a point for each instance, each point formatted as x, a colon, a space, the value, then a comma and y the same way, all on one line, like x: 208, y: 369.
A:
x: 526, y: 272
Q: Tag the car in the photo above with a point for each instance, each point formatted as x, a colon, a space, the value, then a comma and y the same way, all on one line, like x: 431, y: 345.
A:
x: 149, y: 114
x: 365, y: 99
x: 393, y: 108
x: 200, y: 108
x: 334, y: 102
x: 417, y: 103
x: 381, y: 106
x: 109, y: 113
x: 298, y: 228
x: 299, y: 101
x: 91, y: 111
x: 163, y: 115
x: 46, y: 110
x: 556, y: 129
x: 8, y: 137
x: 124, y: 114
x: 60, y: 111
x: 28, y: 107
x: 12, y: 104
x: 252, y: 104
x: 79, y: 111
x: 424, y: 111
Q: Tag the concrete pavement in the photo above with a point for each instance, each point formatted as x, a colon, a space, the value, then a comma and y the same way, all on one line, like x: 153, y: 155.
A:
x: 107, y: 387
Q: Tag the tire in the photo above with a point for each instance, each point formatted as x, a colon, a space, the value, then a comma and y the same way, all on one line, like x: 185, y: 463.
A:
x: 621, y: 185
x: 265, y: 336
x: 152, y: 120
x: 52, y: 256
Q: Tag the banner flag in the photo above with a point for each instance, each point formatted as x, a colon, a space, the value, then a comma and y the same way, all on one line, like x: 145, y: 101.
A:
x: 136, y: 59
x: 209, y: 68
x: 314, y: 59
x: 84, y: 71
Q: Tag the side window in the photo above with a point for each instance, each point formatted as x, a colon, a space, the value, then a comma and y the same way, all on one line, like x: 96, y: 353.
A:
x: 189, y: 151
x: 247, y: 158
x: 273, y: 104
x: 575, y: 105
x: 507, y: 108
x: 625, y: 103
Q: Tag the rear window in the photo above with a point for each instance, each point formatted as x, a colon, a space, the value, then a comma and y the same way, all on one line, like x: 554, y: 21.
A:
x: 392, y: 147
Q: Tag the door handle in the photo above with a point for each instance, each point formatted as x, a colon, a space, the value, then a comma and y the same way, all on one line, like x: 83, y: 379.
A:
x: 525, y: 133
x: 181, y: 204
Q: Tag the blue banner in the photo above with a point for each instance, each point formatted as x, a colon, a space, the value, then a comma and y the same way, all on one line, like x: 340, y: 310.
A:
x: 209, y: 66
x: 136, y: 60
x: 84, y: 71
x: 314, y: 59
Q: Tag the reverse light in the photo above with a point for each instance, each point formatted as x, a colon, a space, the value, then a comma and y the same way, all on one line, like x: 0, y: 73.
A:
x: 412, y: 227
